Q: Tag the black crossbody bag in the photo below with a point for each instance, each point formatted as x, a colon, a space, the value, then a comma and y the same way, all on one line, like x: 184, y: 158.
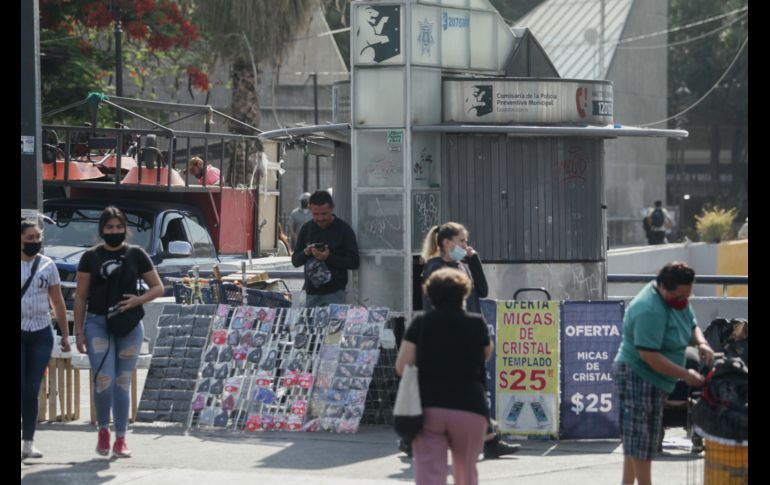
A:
x: 121, y: 323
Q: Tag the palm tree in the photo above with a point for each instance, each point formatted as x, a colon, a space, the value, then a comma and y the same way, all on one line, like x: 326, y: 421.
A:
x: 245, y: 33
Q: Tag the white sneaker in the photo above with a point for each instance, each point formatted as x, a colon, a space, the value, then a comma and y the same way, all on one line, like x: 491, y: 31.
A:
x: 29, y: 451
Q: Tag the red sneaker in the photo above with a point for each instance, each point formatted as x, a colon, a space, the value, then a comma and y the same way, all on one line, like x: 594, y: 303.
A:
x: 119, y: 449
x: 103, y: 445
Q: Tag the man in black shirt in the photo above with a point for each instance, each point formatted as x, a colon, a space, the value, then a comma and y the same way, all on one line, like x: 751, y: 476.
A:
x: 327, y: 248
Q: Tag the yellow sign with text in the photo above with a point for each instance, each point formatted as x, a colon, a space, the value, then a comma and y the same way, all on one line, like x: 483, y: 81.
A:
x: 527, y: 380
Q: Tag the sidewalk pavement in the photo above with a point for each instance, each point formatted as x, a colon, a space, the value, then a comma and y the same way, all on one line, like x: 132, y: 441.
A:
x: 169, y: 454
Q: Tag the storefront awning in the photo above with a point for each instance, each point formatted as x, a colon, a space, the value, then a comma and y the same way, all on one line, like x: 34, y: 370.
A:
x: 608, y: 131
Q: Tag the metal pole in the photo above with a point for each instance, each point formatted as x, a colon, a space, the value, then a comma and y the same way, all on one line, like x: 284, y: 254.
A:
x: 602, y: 74
x: 119, y: 58
x: 31, y: 145
x: 315, y: 117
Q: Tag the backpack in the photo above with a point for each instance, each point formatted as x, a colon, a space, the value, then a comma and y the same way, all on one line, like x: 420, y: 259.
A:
x: 657, y: 218
x: 646, y: 225
x: 729, y: 337
x: 723, y: 411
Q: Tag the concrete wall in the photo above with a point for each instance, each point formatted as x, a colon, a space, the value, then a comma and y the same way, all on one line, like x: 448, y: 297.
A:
x: 728, y: 258
x: 635, y: 174
x: 733, y: 259
x: 564, y: 281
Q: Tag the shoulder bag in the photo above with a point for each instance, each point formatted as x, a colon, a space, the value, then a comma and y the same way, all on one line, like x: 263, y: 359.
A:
x: 121, y: 323
x: 407, y: 410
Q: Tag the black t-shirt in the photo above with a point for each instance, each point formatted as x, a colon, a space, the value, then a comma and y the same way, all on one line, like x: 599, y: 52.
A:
x: 451, y: 359
x: 100, y: 264
x: 343, y: 253
x: 472, y: 267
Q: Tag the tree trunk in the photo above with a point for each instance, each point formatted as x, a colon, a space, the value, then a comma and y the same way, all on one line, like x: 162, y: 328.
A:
x: 737, y: 156
x: 715, y: 146
x: 245, y: 107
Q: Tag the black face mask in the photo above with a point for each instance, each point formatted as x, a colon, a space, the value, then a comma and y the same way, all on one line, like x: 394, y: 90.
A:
x: 115, y: 239
x: 32, y: 248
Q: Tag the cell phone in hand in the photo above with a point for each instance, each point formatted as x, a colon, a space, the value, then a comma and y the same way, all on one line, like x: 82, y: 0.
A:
x: 319, y: 246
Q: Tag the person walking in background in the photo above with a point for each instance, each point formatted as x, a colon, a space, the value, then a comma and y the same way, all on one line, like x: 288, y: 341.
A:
x: 446, y: 246
x: 196, y: 169
x: 298, y: 217
x: 452, y: 391
x: 40, y: 286
x: 657, y: 326
x: 112, y: 358
x: 656, y: 222
x: 327, y: 248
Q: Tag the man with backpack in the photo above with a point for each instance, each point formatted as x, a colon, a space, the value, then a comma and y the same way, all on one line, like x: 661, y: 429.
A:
x: 656, y: 222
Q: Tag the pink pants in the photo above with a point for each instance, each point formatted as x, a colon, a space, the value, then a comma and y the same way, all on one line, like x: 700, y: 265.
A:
x: 460, y: 431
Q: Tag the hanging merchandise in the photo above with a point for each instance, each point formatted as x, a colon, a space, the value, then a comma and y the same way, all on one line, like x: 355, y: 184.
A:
x: 274, y: 368
x: 345, y: 368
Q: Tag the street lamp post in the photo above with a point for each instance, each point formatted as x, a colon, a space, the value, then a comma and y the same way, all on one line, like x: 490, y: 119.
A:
x: 117, y: 12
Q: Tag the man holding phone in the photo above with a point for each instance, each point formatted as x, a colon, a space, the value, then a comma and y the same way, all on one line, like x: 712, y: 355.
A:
x: 327, y: 248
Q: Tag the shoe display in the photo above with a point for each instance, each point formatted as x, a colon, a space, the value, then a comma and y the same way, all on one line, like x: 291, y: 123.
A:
x: 103, y: 445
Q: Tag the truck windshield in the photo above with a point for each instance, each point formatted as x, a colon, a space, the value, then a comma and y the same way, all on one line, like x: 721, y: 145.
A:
x: 80, y: 228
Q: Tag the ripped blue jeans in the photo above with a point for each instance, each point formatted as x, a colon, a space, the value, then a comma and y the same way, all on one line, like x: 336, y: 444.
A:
x: 113, y: 381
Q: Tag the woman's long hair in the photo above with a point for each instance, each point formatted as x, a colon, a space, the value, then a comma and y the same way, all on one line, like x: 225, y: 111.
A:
x: 112, y: 212
x: 432, y: 245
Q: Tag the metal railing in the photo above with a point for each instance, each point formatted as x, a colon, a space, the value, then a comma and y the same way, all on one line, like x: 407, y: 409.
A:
x: 724, y: 280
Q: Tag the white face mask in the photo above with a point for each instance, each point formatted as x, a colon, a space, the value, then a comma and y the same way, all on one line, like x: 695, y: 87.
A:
x: 457, y: 253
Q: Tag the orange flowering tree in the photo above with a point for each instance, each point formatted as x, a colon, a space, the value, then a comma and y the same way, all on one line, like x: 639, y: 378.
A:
x: 77, y: 47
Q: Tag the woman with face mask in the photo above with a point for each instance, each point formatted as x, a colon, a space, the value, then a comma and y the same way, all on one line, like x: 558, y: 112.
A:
x: 40, y: 286
x: 113, y: 359
x: 447, y: 246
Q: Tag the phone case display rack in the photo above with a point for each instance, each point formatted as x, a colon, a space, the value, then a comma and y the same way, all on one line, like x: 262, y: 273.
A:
x: 287, y: 369
x: 182, y: 333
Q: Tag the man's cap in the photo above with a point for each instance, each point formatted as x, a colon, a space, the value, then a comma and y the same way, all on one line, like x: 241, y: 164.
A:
x: 304, y: 196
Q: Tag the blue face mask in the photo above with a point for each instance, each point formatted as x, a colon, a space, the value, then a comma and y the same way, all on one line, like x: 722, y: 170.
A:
x: 457, y: 253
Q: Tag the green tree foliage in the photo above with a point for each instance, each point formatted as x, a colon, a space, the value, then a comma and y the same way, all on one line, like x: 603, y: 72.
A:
x: 715, y: 225
x: 245, y: 33
x: 77, y: 48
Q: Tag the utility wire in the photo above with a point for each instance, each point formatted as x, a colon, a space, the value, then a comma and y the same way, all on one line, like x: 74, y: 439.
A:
x: 684, y: 41
x: 684, y: 27
x: 653, y: 34
x: 696, y: 103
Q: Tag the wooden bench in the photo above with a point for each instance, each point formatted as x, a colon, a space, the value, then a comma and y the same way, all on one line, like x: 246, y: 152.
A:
x: 62, y: 385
